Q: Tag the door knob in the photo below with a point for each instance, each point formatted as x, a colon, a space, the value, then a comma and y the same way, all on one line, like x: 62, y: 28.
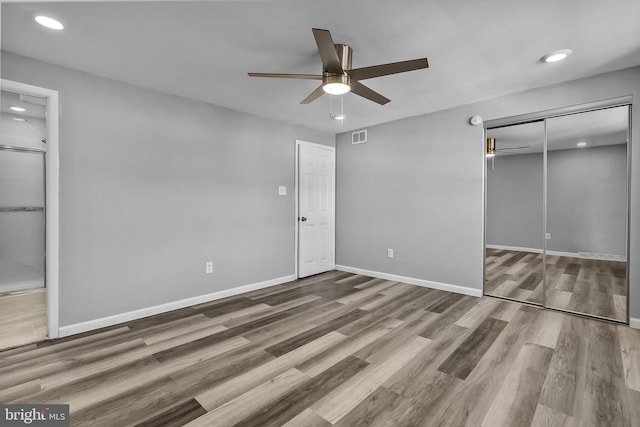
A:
x: 303, y: 219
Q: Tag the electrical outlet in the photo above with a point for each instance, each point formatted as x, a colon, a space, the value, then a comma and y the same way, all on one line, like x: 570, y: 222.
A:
x: 208, y: 267
x: 547, y: 236
x: 389, y: 253
x: 282, y: 190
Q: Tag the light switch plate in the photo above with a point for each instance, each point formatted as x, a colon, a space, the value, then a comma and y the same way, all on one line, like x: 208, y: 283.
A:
x: 282, y: 190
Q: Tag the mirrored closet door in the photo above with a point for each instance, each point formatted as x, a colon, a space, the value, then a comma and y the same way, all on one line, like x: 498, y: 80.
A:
x: 515, y: 213
x: 556, y: 212
x: 587, y: 179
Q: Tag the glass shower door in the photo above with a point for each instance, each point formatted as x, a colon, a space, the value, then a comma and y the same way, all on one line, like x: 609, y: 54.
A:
x: 22, y: 220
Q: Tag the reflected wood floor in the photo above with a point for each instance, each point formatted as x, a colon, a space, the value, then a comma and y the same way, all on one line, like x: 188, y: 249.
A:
x: 23, y: 318
x: 595, y: 287
x: 514, y: 274
x: 339, y: 349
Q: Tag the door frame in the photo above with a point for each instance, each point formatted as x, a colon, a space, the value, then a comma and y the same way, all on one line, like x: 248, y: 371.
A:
x: 626, y: 100
x: 52, y: 222
x: 296, y: 201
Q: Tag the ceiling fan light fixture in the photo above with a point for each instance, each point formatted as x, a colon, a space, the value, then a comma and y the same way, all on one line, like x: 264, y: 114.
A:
x: 336, y: 88
x: 336, y: 85
x: 491, y: 147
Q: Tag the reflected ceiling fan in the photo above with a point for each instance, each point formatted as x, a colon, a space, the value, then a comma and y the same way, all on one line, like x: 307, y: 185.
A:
x: 524, y: 147
x: 337, y: 75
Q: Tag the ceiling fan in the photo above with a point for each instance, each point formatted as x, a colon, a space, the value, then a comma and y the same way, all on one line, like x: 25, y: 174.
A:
x: 524, y: 147
x: 337, y: 75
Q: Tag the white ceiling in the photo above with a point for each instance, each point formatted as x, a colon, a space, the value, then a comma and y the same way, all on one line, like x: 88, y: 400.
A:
x: 203, y: 50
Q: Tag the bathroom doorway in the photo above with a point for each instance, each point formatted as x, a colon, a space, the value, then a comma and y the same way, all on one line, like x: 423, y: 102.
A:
x: 28, y: 231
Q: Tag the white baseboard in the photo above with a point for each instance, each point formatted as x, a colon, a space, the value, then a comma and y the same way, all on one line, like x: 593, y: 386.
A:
x: 584, y: 255
x: 102, y: 322
x: 26, y: 285
x: 634, y: 323
x: 412, y: 281
x: 515, y: 248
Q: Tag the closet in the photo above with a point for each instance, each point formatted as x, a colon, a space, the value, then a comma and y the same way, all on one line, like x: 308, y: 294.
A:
x: 556, y: 209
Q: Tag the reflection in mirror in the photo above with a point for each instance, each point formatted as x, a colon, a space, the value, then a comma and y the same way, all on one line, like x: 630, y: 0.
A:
x: 515, y: 213
x: 22, y: 120
x: 587, y: 213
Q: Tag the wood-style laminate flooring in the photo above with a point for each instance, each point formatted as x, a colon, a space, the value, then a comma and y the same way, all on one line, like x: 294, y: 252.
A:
x: 593, y: 287
x: 23, y: 317
x: 339, y: 349
x: 514, y: 274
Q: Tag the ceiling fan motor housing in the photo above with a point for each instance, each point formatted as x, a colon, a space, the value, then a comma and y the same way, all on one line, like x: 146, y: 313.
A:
x: 328, y: 78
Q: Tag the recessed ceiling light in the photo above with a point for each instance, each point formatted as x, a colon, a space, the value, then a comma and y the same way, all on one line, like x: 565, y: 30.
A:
x: 51, y: 23
x: 556, y: 56
x: 20, y: 109
x: 18, y: 119
x: 581, y: 144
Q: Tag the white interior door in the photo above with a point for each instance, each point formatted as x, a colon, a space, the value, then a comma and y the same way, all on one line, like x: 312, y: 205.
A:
x: 316, y: 208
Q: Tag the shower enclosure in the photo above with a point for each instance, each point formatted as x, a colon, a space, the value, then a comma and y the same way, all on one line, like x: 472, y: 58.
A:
x: 22, y: 194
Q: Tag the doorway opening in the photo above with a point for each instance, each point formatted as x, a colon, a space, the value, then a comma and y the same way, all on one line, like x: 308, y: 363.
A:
x: 28, y: 214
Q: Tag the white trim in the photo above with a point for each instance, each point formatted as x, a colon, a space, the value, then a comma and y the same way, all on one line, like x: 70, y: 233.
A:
x: 52, y: 193
x: 296, y: 213
x: 515, y: 248
x: 412, y: 281
x: 21, y: 286
x: 565, y: 254
x: 296, y: 201
x: 634, y: 323
x: 163, y: 308
x: 602, y: 257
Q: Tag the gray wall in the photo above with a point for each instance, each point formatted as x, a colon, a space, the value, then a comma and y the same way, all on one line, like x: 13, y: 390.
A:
x: 587, y: 200
x: 417, y: 185
x: 515, y: 201
x: 152, y: 186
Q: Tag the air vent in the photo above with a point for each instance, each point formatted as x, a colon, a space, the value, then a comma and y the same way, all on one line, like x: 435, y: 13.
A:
x: 359, y: 137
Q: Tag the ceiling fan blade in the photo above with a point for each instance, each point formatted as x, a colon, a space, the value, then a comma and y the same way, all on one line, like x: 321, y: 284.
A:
x: 513, y: 148
x: 387, y: 69
x: 287, y: 76
x: 365, y: 92
x: 327, y: 49
x: 313, y: 95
